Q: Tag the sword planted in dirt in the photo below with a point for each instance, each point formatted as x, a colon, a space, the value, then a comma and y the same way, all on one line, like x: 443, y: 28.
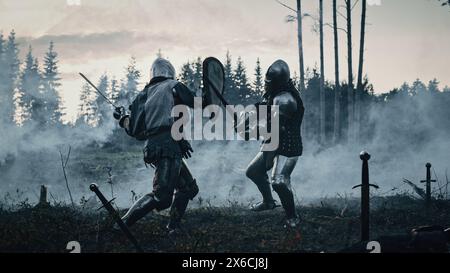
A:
x: 107, y: 205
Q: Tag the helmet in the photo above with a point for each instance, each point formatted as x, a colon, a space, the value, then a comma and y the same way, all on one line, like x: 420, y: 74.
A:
x: 162, y: 68
x: 278, y: 73
x: 277, y: 76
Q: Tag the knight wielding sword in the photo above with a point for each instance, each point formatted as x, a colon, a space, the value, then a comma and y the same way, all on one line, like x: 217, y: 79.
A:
x: 150, y: 120
x: 279, y: 91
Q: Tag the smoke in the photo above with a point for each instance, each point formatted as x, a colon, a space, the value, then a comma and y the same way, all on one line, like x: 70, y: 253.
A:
x: 29, y: 156
x: 404, y: 134
x: 401, y: 135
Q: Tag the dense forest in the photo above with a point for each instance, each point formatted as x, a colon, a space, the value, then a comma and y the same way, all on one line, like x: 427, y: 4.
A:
x: 30, y: 96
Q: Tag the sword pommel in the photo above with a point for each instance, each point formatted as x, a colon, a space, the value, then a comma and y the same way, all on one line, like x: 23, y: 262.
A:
x: 364, y: 155
x: 93, y: 187
x: 428, y: 165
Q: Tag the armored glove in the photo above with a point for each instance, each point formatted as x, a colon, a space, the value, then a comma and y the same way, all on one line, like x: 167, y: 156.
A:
x: 120, y: 115
x: 186, y: 148
x: 119, y: 112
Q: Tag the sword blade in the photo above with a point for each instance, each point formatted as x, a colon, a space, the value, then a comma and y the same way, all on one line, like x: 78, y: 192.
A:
x: 98, y: 91
x: 107, y: 205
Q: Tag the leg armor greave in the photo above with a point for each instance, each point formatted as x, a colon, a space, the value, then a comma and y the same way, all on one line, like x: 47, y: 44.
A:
x: 257, y: 172
x: 180, y: 204
x: 281, y: 183
x: 187, y: 189
x: 140, y: 208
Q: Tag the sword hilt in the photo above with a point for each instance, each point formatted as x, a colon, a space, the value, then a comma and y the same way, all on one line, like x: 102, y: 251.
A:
x: 424, y: 181
x: 109, y: 202
x: 370, y: 185
x: 107, y: 205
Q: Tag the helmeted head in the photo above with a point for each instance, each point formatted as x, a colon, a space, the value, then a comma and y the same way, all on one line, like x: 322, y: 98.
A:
x: 277, y: 77
x: 162, y: 68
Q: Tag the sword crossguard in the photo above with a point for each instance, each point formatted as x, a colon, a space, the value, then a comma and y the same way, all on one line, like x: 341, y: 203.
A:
x: 424, y: 181
x: 370, y: 185
x: 109, y: 202
x: 107, y: 205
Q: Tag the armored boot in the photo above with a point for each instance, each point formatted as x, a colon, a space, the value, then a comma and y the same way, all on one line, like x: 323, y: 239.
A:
x: 268, y: 202
x: 139, y: 209
x: 281, y: 186
x: 180, y: 202
x: 177, y: 211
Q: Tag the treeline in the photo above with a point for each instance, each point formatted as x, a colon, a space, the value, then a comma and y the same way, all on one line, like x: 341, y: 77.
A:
x: 29, y: 94
x: 239, y: 89
x: 339, y: 112
x: 415, y: 103
x: 28, y: 91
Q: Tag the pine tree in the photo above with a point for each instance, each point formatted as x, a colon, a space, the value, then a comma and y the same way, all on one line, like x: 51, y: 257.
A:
x: 2, y: 61
x: 187, y: 75
x: 11, y: 74
x: 198, y: 72
x: 418, y: 88
x: 102, y: 107
x: 159, y: 54
x: 31, y: 100
x: 404, y: 89
x: 433, y: 86
x: 114, y: 90
x: 86, y: 108
x: 3, y: 101
x: 241, y: 82
x: 295, y: 79
x: 51, y: 83
x: 229, y: 83
x: 258, y: 85
x: 129, y: 86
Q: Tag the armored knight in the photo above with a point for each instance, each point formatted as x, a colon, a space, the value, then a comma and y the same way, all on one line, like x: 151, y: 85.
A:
x: 280, y: 91
x: 150, y: 120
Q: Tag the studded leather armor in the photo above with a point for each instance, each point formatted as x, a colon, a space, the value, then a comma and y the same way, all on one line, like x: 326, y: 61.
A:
x: 291, y: 116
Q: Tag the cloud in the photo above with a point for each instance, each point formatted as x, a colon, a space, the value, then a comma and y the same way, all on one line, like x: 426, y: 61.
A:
x: 80, y: 47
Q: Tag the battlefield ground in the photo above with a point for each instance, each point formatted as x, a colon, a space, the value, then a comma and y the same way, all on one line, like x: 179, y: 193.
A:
x: 328, y: 225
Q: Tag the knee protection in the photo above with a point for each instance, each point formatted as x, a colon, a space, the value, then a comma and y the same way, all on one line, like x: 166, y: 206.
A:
x: 164, y: 199
x: 282, y: 187
x: 189, y: 191
x: 280, y: 183
x: 193, y: 190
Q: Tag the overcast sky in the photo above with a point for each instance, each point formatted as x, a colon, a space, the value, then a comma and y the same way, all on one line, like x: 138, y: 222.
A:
x: 406, y: 39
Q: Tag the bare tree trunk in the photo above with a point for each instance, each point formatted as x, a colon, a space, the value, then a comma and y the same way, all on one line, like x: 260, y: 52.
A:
x: 300, y: 45
x: 337, y: 112
x: 362, y: 41
x: 322, y: 78
x: 360, y: 70
x: 350, y: 91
